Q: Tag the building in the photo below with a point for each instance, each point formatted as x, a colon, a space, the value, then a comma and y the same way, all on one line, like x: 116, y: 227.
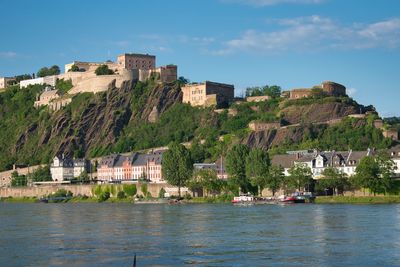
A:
x: 378, y: 123
x: 64, y: 168
x: 137, y: 61
x: 345, y: 161
x: 333, y: 89
x: 120, y: 168
x: 4, y: 81
x: 328, y: 87
x: 300, y: 93
x: 49, y: 80
x: 392, y: 134
x: 218, y: 167
x: 46, y: 97
x: 257, y: 98
x: 208, y: 94
x: 164, y: 74
x: 263, y: 126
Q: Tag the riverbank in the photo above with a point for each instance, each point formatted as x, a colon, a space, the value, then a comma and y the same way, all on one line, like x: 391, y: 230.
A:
x: 357, y: 200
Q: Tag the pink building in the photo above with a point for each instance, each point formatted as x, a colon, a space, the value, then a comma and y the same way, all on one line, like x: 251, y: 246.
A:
x: 118, y: 168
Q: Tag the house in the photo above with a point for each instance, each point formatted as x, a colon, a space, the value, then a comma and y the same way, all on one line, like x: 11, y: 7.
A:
x: 64, y: 168
x: 208, y: 94
x: 344, y: 161
x: 218, y: 167
x: 120, y: 168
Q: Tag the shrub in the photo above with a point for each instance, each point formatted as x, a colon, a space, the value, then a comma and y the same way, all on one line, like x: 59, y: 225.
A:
x: 104, y: 196
x: 121, y: 195
x: 130, y: 190
x: 103, y: 70
x: 162, y: 192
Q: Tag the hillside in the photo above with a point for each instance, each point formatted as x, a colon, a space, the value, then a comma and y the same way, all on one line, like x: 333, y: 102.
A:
x: 145, y: 115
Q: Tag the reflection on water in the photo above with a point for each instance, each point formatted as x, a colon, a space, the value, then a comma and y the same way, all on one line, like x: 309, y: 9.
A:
x: 203, y: 234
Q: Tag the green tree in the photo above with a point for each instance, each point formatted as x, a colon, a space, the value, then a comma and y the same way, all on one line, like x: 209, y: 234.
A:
x: 74, y: 68
x: 84, y: 177
x: 236, y: 167
x: 162, y: 192
x: 103, y: 70
x: 257, y: 165
x: 177, y: 165
x: 209, y: 181
x: 333, y: 178
x: 275, y: 178
x: 53, y: 70
x: 375, y: 173
x: 300, y: 176
x: 42, y: 174
x: 130, y: 189
x: 104, y: 196
x: 144, y: 189
x: 197, y: 152
x: 18, y: 180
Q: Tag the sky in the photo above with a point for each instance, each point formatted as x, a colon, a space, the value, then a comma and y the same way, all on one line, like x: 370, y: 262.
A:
x: 290, y: 43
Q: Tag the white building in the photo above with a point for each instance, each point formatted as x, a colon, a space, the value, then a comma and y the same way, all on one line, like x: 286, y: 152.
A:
x: 344, y: 161
x: 64, y: 168
x: 49, y: 80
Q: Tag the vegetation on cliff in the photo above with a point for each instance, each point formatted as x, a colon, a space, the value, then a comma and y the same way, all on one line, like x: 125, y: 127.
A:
x: 146, y: 115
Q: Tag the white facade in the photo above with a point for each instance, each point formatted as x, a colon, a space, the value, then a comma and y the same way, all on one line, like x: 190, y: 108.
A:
x: 66, y: 169
x: 50, y: 80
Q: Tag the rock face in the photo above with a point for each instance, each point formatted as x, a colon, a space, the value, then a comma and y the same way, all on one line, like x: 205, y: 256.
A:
x: 269, y: 138
x: 98, y: 120
x: 314, y: 113
x: 302, y: 118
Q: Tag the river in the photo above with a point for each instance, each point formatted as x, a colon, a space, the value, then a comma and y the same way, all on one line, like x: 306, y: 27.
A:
x: 106, y: 234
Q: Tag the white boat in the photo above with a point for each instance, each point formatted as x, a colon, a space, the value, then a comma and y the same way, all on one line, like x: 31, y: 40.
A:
x: 243, y: 198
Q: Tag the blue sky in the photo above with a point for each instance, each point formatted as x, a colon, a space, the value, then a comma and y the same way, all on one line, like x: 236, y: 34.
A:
x: 291, y: 43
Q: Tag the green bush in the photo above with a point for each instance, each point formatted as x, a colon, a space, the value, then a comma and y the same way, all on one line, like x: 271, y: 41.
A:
x: 130, y: 189
x: 121, y: 195
x: 162, y: 192
x: 104, y: 196
x: 103, y: 70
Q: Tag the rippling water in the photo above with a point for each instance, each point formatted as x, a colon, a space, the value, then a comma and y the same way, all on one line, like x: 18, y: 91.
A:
x: 199, y: 235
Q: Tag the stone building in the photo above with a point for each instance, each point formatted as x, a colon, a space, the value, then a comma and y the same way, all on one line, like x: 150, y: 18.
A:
x: 164, y: 74
x: 64, y: 168
x: 328, y: 87
x: 5, y: 80
x: 208, y: 94
x: 263, y: 126
x: 257, y: 98
x: 392, y: 134
x: 333, y: 89
x: 46, y: 97
x: 137, y: 61
x: 378, y: 123
x: 300, y: 93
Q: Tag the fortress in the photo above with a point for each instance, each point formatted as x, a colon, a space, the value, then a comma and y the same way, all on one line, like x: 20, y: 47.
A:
x: 328, y: 87
x: 128, y: 67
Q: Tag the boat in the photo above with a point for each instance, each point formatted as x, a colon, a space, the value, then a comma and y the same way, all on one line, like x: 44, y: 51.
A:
x: 297, y: 198
x: 243, y: 199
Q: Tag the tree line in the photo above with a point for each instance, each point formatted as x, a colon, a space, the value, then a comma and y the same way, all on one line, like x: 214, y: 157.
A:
x: 251, y: 171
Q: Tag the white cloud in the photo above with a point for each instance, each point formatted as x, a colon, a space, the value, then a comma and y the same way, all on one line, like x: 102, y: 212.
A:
x: 261, y: 3
x: 8, y: 54
x: 315, y: 33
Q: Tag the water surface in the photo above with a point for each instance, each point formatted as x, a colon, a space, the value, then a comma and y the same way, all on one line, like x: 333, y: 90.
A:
x: 106, y: 234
